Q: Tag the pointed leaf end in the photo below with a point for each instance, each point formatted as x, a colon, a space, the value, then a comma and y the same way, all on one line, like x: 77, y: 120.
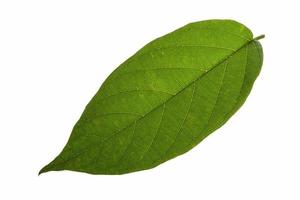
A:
x: 46, y: 168
x: 43, y: 170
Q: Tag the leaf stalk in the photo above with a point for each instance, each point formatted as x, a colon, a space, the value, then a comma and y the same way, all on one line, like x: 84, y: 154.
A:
x: 259, y: 37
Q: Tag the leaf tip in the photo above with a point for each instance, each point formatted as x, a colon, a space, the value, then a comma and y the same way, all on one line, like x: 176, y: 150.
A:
x: 44, y: 170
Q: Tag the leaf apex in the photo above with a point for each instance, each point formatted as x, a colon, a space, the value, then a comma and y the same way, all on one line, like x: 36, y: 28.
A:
x: 43, y: 170
x: 46, y: 168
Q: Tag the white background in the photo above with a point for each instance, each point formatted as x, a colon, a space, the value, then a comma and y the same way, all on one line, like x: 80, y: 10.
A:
x: 55, y: 54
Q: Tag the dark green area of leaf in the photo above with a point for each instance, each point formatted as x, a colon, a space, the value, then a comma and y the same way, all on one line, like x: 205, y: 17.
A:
x: 164, y: 100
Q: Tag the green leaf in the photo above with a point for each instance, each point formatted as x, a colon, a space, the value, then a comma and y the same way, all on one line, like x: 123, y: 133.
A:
x: 164, y: 100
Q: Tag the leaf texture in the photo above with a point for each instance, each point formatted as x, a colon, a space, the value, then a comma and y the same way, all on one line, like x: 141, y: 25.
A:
x: 164, y: 100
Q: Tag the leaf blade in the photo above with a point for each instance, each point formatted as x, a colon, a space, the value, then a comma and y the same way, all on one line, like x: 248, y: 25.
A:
x: 128, y: 157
